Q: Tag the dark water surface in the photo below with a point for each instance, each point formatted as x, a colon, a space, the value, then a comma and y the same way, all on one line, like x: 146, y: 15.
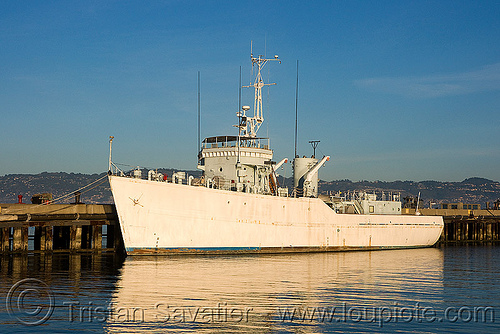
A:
x: 433, y: 290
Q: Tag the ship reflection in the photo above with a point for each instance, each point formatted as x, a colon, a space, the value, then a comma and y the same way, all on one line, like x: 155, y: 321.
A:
x: 300, y: 292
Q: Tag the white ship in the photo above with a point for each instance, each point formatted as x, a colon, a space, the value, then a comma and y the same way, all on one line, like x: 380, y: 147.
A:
x: 237, y: 206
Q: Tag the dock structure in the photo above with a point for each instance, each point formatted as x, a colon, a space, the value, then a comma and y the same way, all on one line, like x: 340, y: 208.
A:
x: 466, y: 226
x: 471, y: 230
x: 94, y: 228
x: 59, y: 228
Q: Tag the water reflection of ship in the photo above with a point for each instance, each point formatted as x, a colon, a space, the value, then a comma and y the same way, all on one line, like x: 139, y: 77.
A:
x: 168, y: 292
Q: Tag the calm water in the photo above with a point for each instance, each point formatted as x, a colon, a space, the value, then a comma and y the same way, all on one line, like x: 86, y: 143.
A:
x: 452, y: 289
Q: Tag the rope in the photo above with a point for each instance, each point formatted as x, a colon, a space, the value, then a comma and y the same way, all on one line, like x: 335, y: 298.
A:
x: 321, y: 152
x: 70, y: 193
x: 84, y: 191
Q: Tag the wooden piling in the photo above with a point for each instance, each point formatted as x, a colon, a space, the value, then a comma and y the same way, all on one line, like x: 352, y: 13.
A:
x: 75, y: 242
x: 5, y: 239
x: 20, y: 239
x: 46, y: 239
x: 97, y: 237
x: 86, y: 237
x: 16, y: 237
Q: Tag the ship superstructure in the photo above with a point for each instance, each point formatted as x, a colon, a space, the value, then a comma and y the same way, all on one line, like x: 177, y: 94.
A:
x: 243, y: 163
x: 238, y: 206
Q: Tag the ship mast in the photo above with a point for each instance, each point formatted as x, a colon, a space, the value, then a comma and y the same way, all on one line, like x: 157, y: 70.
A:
x: 255, y: 122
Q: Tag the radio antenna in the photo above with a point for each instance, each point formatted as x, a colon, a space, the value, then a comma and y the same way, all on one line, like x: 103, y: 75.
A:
x: 256, y: 121
x: 239, y: 92
x: 296, y: 108
x: 314, y: 144
x: 199, y: 115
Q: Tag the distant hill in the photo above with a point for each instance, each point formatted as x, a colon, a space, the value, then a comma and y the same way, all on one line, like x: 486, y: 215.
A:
x: 59, y: 184
x: 471, y: 190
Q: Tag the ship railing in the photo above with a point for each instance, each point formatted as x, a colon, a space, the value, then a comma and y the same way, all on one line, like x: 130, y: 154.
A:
x: 221, y: 142
x: 255, y: 143
x: 373, y: 195
x: 157, y: 176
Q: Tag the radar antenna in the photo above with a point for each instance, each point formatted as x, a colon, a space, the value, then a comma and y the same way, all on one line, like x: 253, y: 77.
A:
x: 258, y: 117
x: 314, y: 144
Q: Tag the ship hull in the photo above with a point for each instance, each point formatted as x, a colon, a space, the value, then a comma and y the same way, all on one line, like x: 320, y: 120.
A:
x: 167, y: 218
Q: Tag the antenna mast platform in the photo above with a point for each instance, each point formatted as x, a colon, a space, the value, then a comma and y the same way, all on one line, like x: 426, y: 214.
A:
x: 258, y: 117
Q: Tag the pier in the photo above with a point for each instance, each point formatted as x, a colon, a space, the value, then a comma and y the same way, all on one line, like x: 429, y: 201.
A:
x: 465, y: 226
x: 470, y: 230
x: 59, y: 228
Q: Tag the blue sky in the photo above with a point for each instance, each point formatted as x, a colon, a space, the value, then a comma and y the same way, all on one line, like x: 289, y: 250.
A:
x: 395, y: 90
